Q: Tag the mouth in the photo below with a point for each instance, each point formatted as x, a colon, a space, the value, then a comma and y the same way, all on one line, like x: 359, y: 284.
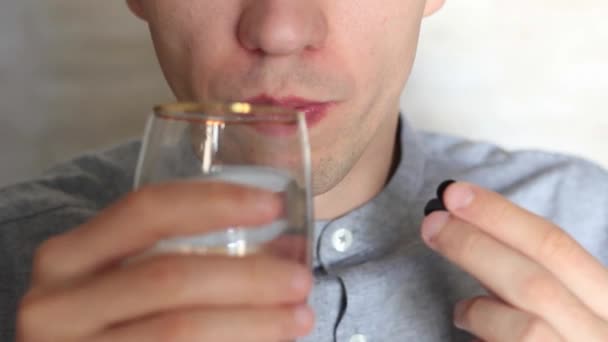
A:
x: 314, y: 111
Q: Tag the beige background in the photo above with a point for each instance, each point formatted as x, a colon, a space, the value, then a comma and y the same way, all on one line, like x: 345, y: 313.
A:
x: 77, y: 75
x: 524, y: 73
x: 74, y: 76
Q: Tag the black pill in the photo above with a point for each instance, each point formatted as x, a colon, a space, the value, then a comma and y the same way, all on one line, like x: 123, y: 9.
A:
x: 442, y: 188
x: 433, y: 206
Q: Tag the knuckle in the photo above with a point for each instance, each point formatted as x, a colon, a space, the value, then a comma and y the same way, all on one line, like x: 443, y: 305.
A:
x: 26, y: 314
x: 539, y: 290
x: 224, y: 197
x: 43, y: 257
x: 266, y: 286
x: 255, y: 270
x: 535, y: 330
x: 165, y: 275
x: 469, y: 314
x: 469, y: 246
x: 239, y: 196
x: 177, y: 327
x: 30, y: 315
x: 557, y: 245
x: 499, y: 212
x: 142, y: 200
x: 285, y: 327
x: 274, y: 325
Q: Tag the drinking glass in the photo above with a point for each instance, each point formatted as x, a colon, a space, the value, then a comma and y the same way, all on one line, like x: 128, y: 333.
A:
x: 240, y: 143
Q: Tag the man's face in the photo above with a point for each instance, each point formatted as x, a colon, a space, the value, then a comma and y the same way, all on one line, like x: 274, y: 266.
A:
x: 350, y: 58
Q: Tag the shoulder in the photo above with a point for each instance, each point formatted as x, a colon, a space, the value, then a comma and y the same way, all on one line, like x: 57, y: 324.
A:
x: 92, y: 180
x: 66, y: 194
x: 496, y: 166
x: 568, y: 190
x: 62, y: 198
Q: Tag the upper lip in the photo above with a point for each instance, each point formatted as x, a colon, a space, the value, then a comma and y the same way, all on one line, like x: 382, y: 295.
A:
x: 291, y: 102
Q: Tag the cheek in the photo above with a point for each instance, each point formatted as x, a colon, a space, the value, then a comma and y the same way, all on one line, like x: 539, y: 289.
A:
x: 401, y: 34
x: 378, y: 42
x: 214, y: 51
x: 192, y: 37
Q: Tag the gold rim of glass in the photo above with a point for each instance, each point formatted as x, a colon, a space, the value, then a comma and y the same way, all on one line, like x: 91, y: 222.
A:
x: 225, y: 112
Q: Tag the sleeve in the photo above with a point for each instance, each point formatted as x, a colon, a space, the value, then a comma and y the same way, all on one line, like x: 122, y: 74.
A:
x: 9, y: 293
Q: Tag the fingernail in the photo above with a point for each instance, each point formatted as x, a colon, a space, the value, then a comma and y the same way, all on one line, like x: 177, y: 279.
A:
x: 461, y: 197
x: 442, y: 188
x: 432, y: 226
x: 302, y: 315
x: 433, y: 206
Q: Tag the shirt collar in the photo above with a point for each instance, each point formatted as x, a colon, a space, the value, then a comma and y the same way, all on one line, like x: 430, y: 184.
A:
x: 380, y: 225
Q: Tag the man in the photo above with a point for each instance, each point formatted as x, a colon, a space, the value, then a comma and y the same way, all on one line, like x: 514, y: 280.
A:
x: 382, y: 271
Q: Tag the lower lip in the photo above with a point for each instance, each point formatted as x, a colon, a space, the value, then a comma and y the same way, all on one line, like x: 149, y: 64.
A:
x: 313, y: 114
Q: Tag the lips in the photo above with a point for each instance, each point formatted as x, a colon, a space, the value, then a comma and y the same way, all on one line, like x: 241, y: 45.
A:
x: 314, y: 111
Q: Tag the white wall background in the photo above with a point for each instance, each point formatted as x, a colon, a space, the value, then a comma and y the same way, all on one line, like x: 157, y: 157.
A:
x: 74, y: 76
x: 523, y: 73
x: 78, y: 75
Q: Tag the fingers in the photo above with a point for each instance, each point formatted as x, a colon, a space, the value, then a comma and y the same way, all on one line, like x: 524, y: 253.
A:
x: 226, y: 325
x: 146, y: 216
x: 512, y: 276
x: 492, y: 320
x: 290, y: 247
x: 169, y: 283
x: 534, y: 237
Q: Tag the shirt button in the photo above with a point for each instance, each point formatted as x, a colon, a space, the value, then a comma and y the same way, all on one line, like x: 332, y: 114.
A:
x: 358, y: 338
x: 342, y: 239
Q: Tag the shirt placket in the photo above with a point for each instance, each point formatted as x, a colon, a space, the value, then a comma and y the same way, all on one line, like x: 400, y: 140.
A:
x: 340, y: 243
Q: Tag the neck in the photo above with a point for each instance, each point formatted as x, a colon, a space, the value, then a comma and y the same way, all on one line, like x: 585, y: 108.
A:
x: 366, y: 179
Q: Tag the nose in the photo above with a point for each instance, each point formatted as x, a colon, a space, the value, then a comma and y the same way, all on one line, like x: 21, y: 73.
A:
x: 282, y: 27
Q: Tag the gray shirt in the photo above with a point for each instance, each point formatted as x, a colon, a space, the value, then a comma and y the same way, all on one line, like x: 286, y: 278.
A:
x: 375, y: 279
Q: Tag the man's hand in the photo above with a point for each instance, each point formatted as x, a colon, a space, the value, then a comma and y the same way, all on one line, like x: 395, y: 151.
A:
x: 82, y: 291
x: 544, y: 285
